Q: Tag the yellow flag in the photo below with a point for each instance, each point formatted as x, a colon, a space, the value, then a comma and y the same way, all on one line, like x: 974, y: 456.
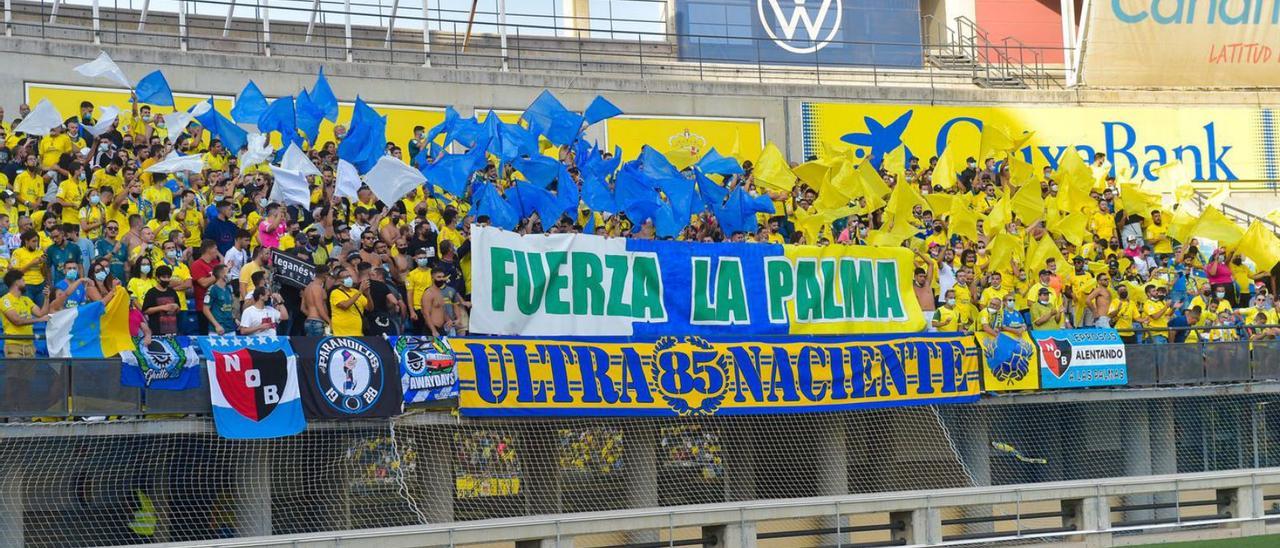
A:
x: 1216, y: 226
x: 1021, y: 173
x: 895, y: 161
x: 1072, y: 228
x: 1261, y: 246
x: 944, y: 174
x: 1038, y: 254
x: 1219, y: 196
x: 1184, y: 193
x: 838, y: 186
x: 1169, y: 177
x: 873, y: 186
x: 1073, y: 172
x: 1181, y: 225
x: 940, y: 204
x: 902, y: 204
x: 1028, y: 204
x: 1005, y: 248
x: 1071, y: 198
x: 995, y: 142
x: 812, y: 225
x: 1021, y: 140
x: 998, y: 217
x: 1139, y: 201
x: 736, y: 150
x: 964, y: 222
x: 1274, y: 216
x: 772, y: 172
x: 892, y: 237
x: 815, y: 172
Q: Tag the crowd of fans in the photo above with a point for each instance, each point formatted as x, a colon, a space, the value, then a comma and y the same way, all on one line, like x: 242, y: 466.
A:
x: 81, y: 218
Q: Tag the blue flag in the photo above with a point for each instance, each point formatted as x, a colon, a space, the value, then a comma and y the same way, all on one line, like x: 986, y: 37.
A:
x: 528, y: 199
x: 596, y: 194
x: 452, y: 172
x: 366, y: 140
x: 279, y: 117
x: 665, y: 222
x: 683, y: 198
x: 516, y: 142
x: 168, y: 363
x: 451, y: 117
x: 656, y: 166
x: 600, y: 109
x: 309, y: 116
x: 250, y: 105
x: 548, y: 117
x: 488, y: 201
x: 713, y: 194
x: 713, y: 162
x: 635, y: 195
x: 596, y: 166
x: 739, y: 213
x: 567, y: 193
x: 231, y: 135
x: 323, y: 98
x: 538, y: 169
x: 153, y: 89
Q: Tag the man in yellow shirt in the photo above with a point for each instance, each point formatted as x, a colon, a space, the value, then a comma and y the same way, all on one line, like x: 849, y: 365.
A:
x: 1156, y: 313
x: 18, y: 312
x: 71, y: 196
x: 947, y: 318
x: 30, y: 260
x: 109, y: 176
x: 416, y: 283
x: 53, y: 146
x: 30, y: 185
x: 347, y: 304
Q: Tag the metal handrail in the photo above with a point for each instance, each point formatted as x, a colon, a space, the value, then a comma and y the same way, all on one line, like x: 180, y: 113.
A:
x: 529, y: 45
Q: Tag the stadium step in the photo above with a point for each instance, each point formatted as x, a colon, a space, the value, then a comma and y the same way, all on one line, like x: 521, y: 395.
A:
x: 952, y: 61
x: 1000, y: 82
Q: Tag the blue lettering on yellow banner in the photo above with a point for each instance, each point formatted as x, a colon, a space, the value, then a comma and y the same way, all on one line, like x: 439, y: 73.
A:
x: 697, y: 376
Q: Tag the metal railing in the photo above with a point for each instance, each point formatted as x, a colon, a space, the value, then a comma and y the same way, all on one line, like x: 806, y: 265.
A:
x: 536, y: 43
x: 962, y: 44
x: 1236, y: 507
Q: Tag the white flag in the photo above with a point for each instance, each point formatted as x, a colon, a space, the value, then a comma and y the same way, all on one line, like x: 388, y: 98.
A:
x: 390, y: 179
x: 108, y: 117
x: 40, y: 120
x: 348, y: 180
x: 257, y: 151
x: 290, y: 187
x: 175, y: 163
x: 296, y: 160
x: 176, y: 123
x: 104, y: 67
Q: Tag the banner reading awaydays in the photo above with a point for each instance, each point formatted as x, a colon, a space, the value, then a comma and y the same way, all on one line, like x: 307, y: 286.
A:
x: 1182, y: 43
x: 691, y: 375
x: 1215, y: 143
x: 1081, y: 358
x: 585, y: 285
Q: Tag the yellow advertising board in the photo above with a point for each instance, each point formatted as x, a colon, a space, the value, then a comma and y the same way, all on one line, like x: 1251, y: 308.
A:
x: 1215, y: 143
x: 685, y: 140
x: 1182, y: 43
x: 401, y: 119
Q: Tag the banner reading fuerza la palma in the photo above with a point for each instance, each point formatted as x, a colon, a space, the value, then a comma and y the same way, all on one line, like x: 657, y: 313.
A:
x: 698, y: 376
x: 586, y: 285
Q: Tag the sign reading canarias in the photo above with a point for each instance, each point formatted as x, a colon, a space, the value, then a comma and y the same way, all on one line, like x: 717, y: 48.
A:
x: 699, y: 376
x: 1182, y: 43
x: 586, y: 285
x: 1215, y: 143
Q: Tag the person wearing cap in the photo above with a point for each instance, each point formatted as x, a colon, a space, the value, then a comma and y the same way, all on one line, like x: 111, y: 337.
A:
x: 1080, y: 284
x: 1044, y: 315
x: 1156, y: 313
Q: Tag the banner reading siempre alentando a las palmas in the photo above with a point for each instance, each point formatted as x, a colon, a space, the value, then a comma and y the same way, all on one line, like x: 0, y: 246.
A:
x: 584, y: 285
x: 699, y: 376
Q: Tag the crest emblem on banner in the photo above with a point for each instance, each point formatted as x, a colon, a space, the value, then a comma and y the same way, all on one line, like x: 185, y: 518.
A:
x: 349, y: 374
x: 692, y: 375
x: 1056, y: 354
x: 820, y: 26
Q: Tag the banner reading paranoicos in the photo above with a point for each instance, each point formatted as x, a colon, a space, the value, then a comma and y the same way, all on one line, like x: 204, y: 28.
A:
x: 692, y: 375
x: 585, y: 285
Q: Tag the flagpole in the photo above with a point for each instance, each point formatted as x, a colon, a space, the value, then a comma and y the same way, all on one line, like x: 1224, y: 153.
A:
x: 502, y: 31
x: 471, y: 19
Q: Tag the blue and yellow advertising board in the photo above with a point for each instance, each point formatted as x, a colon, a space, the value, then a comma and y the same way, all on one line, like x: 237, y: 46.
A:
x: 685, y: 139
x: 700, y: 376
x: 1215, y: 143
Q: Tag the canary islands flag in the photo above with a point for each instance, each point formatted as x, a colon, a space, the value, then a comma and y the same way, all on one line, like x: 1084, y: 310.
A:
x: 94, y: 330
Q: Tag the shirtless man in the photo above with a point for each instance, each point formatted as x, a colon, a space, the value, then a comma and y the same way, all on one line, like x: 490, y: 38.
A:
x: 315, y: 304
x: 433, y: 306
x: 1099, y: 301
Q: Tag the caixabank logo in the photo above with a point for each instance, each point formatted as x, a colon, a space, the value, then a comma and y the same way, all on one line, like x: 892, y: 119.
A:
x: 801, y: 26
